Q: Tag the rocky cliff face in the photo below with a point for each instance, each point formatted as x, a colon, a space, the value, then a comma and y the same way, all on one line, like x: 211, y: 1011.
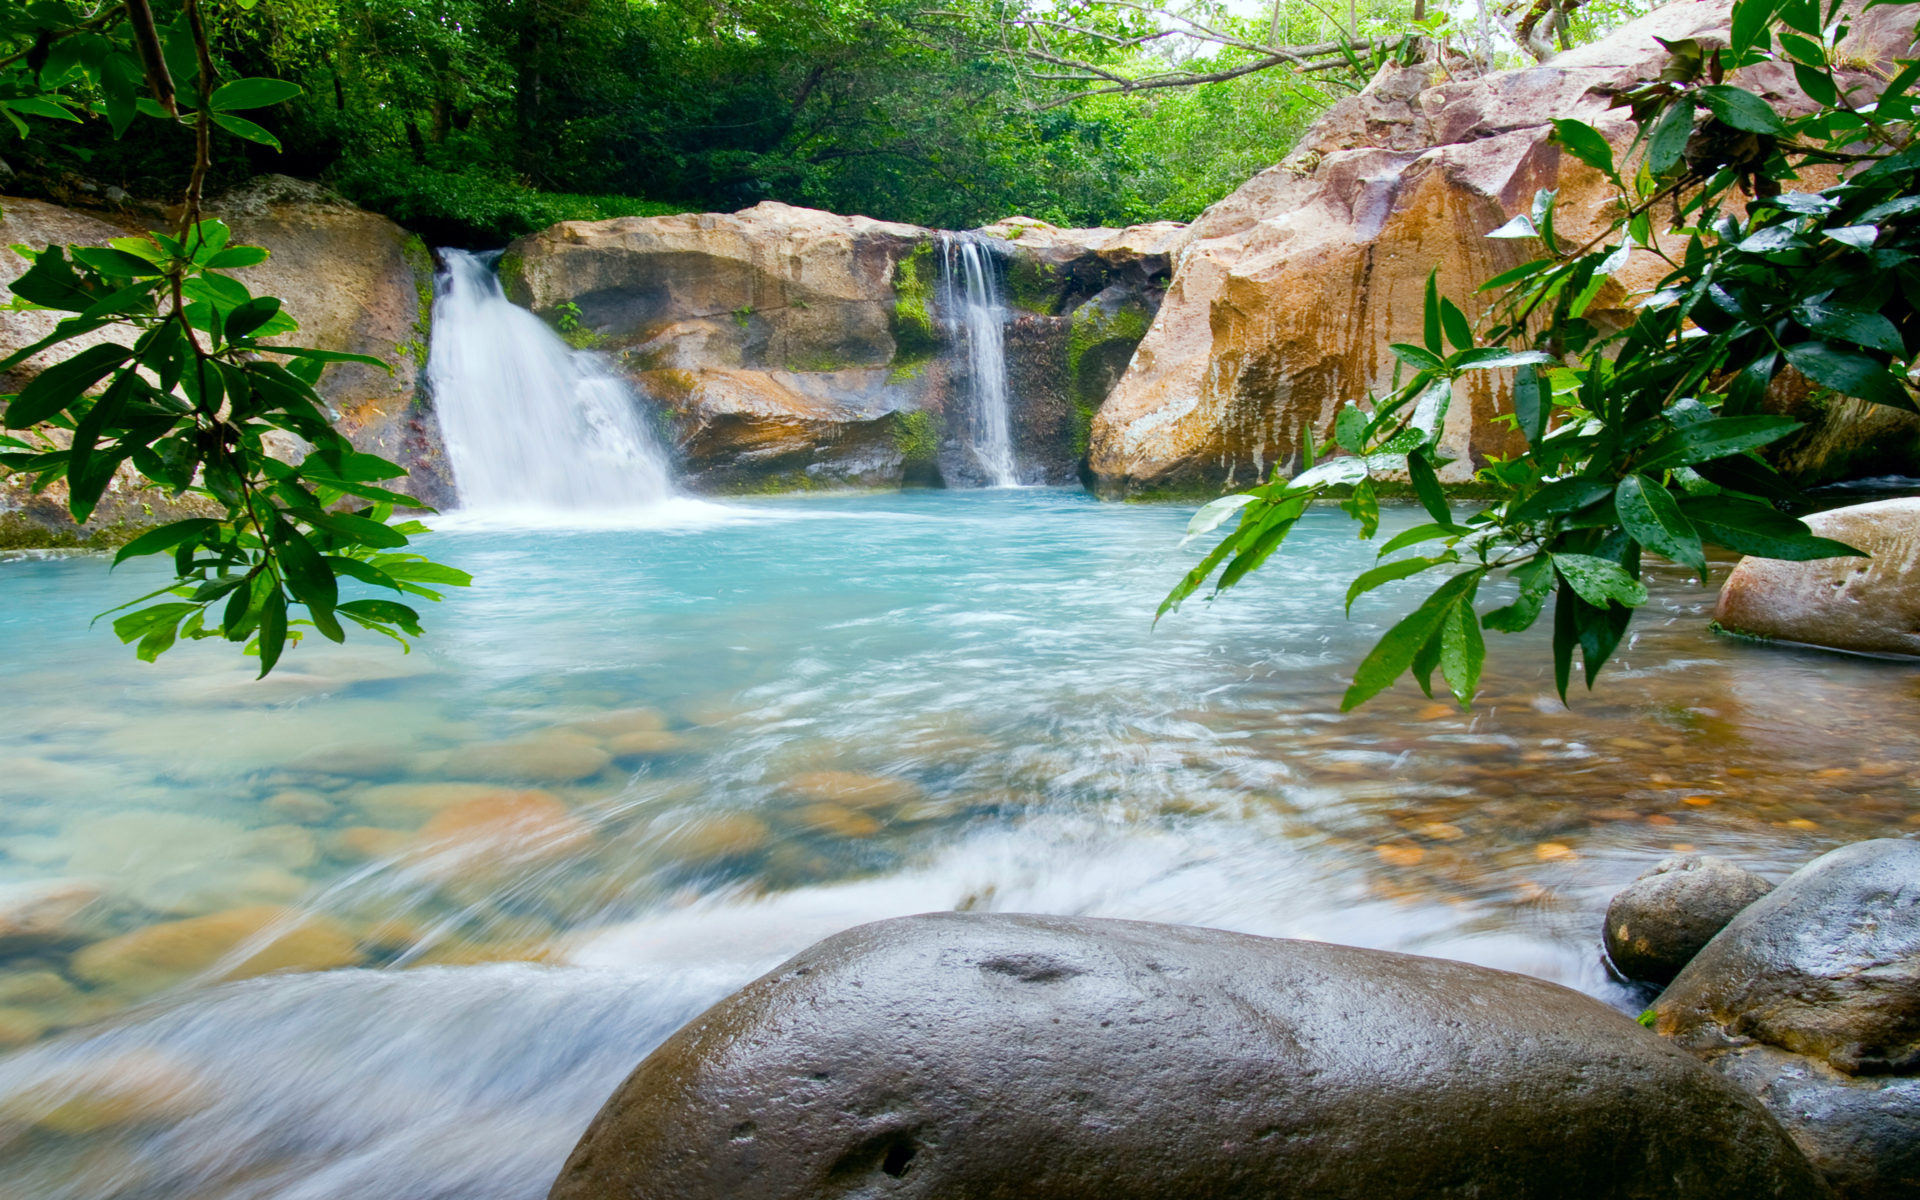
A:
x: 355, y: 281
x: 789, y: 348
x: 1288, y: 292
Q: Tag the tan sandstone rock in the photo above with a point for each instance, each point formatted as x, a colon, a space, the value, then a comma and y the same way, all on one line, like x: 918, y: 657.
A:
x: 1288, y: 292
x: 1868, y: 605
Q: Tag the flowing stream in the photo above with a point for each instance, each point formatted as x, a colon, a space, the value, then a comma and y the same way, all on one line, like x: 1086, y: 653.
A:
x: 532, y: 426
x: 970, y: 296
x: 631, y: 769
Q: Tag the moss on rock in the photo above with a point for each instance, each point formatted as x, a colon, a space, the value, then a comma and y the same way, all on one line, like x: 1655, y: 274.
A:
x: 914, y: 280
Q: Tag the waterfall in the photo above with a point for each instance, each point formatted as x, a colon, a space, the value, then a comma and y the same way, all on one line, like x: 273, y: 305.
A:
x: 970, y: 300
x: 529, y: 422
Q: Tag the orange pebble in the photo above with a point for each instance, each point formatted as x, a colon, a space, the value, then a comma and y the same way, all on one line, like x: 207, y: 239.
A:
x: 1552, y: 851
x: 1400, y: 855
x: 1697, y: 801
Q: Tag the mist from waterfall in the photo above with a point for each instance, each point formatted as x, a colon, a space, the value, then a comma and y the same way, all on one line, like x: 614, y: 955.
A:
x: 531, y: 425
x: 970, y: 300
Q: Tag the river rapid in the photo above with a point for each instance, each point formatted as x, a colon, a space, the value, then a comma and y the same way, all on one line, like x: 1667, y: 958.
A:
x: 635, y: 766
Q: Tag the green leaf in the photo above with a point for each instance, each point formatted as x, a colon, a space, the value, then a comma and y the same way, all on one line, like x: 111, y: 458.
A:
x: 1415, y: 357
x: 1459, y: 332
x: 51, y: 282
x: 1600, y: 580
x: 273, y: 629
x: 1418, y: 534
x: 1741, y: 109
x: 1535, y: 578
x: 109, y: 261
x: 384, y: 612
x: 1350, y: 429
x: 166, y: 537
x: 1817, y: 84
x: 240, y: 127
x: 1462, y: 651
x: 1529, y: 403
x: 1431, y: 313
x: 252, y: 93
x: 360, y: 530
x: 1584, y: 142
x: 1848, y: 373
x: 1716, y: 438
x: 252, y: 315
x: 237, y: 256
x: 1668, y: 139
x: 1216, y: 513
x: 1386, y: 573
x: 1519, y: 227
x: 59, y: 386
x: 328, y: 356
x: 1426, y: 485
x: 1395, y: 652
x: 1868, y: 329
x: 1364, y: 506
x: 1651, y: 517
x: 307, y: 573
x: 1748, y: 528
x: 1492, y: 358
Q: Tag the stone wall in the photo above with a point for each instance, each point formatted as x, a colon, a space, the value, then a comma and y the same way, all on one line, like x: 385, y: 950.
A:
x: 788, y: 348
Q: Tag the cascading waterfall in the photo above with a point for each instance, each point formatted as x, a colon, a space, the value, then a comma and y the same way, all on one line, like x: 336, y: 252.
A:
x: 529, y: 422
x: 970, y: 298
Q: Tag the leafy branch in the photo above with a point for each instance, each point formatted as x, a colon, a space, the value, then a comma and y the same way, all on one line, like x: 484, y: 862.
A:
x: 197, y: 390
x: 1645, y: 438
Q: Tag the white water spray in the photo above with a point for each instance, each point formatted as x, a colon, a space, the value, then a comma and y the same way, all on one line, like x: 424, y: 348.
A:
x: 531, y: 425
x: 971, y: 301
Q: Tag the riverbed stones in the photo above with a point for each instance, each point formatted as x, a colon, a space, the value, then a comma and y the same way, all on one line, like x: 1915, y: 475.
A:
x: 1868, y: 605
x: 1657, y: 923
x: 260, y: 939
x: 1827, y: 965
x: 969, y: 1055
x: 35, y: 916
x: 551, y: 757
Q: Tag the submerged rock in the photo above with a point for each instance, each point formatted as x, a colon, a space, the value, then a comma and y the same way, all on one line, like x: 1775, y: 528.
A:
x: 240, y: 943
x: 959, y: 1055
x: 1870, y: 605
x: 1662, y: 919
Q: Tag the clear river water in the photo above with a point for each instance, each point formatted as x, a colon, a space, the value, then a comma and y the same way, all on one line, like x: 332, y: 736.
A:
x: 632, y: 768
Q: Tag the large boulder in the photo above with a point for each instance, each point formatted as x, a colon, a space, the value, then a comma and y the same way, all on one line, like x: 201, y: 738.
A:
x: 1810, y: 998
x: 1657, y: 923
x: 1868, y: 605
x: 354, y: 280
x: 1289, y: 291
x: 1827, y: 964
x: 966, y: 1055
x: 791, y: 348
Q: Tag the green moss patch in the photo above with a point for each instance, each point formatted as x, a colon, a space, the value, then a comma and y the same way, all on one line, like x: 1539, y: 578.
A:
x: 914, y: 280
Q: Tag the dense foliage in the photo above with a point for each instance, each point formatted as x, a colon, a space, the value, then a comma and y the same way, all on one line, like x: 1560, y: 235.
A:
x: 1641, y: 439
x: 476, y: 120
x: 168, y: 363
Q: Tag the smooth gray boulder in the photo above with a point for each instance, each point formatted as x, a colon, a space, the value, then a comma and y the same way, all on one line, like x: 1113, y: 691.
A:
x: 1827, y: 965
x: 1657, y: 923
x: 1862, y: 1132
x: 969, y: 1056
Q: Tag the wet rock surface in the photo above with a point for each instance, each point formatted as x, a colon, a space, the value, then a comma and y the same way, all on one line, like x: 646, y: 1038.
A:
x: 1810, y: 999
x: 1827, y: 964
x: 1662, y: 919
x: 786, y: 348
x: 355, y: 281
x: 1868, y: 605
x: 958, y: 1055
x: 1290, y: 290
